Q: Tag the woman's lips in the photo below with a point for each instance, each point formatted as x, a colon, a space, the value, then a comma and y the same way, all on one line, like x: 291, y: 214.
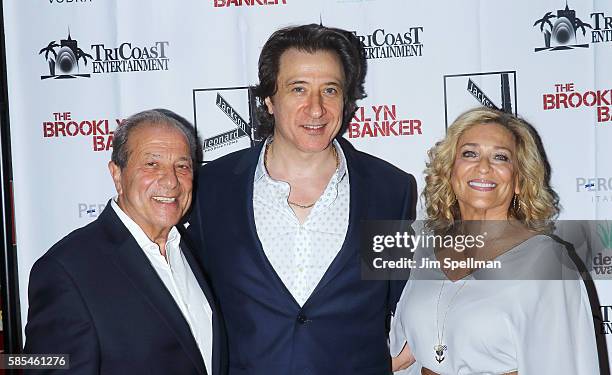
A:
x: 482, y: 185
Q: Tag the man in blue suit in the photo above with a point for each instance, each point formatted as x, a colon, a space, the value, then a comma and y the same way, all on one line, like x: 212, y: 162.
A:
x: 124, y: 294
x: 279, y: 224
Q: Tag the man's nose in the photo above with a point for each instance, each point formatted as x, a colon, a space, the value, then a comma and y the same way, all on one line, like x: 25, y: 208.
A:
x: 168, y: 178
x: 315, y: 105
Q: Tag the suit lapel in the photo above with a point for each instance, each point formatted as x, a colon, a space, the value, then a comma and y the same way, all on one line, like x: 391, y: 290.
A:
x: 357, y: 213
x: 245, y: 174
x: 217, y: 324
x: 129, y: 257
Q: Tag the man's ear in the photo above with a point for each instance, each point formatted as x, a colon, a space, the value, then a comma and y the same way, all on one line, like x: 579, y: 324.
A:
x: 115, y: 172
x: 269, y: 105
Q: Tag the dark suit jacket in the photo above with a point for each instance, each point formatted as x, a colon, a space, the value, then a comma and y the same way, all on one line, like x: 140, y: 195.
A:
x: 95, y: 296
x: 341, y: 329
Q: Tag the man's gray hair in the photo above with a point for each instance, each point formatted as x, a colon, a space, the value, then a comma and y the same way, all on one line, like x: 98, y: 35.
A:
x: 158, y: 116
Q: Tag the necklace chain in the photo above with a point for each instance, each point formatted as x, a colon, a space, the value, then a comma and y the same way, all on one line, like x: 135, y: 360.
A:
x: 301, y: 205
x: 440, y: 348
x: 304, y: 206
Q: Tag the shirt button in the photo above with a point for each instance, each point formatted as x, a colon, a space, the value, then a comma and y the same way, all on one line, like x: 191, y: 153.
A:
x: 301, y: 318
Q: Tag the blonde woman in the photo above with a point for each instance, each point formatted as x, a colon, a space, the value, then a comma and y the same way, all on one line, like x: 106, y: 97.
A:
x: 532, y: 316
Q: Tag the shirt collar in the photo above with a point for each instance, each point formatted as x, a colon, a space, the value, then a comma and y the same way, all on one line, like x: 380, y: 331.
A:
x: 174, y: 237
x: 260, y: 170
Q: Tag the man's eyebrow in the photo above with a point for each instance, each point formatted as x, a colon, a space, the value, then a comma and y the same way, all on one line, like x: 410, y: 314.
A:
x: 302, y: 82
x: 158, y: 156
x: 334, y: 83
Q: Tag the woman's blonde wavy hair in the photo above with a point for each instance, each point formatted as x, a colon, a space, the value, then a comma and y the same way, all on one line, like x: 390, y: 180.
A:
x: 537, y: 202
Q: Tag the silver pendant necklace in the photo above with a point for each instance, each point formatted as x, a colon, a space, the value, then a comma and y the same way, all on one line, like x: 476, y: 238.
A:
x: 440, y: 348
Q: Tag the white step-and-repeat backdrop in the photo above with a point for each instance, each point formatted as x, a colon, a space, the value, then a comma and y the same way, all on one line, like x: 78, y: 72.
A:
x: 76, y: 68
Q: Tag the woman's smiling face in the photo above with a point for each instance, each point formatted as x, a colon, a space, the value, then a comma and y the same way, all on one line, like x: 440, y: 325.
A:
x: 484, y: 177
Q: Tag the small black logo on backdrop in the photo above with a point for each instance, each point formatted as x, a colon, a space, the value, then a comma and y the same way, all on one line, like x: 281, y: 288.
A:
x: 496, y: 90
x: 382, y: 44
x: 223, y: 118
x: 66, y: 59
x: 562, y: 30
x: 63, y: 59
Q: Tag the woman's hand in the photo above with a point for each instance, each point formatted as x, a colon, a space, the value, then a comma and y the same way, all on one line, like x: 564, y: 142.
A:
x: 403, y: 360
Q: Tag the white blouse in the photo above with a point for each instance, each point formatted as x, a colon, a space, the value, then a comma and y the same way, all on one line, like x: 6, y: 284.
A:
x: 498, y: 326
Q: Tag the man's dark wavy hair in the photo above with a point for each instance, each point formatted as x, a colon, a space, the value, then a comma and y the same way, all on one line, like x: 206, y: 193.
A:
x: 310, y: 38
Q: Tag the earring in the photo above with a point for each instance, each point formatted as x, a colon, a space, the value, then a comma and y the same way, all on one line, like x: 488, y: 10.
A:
x: 516, y: 203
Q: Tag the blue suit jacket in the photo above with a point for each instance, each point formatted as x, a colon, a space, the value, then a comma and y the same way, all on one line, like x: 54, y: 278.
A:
x: 95, y: 296
x: 342, y: 327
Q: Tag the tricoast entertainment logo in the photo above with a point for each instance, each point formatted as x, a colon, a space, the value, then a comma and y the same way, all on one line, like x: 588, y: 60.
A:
x: 564, y: 30
x: 382, y: 121
x: 496, y: 90
x: 560, y: 30
x: 384, y: 43
x: 240, y: 3
x: 224, y: 118
x: 66, y: 125
x: 565, y: 96
x: 64, y: 58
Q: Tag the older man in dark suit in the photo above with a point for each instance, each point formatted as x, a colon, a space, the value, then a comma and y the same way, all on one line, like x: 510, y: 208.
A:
x: 124, y: 295
x: 280, y: 223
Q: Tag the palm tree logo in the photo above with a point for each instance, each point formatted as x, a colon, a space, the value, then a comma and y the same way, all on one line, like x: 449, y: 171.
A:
x: 562, y: 34
x: 581, y: 25
x: 50, y: 48
x: 545, y: 21
x: 64, y: 58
